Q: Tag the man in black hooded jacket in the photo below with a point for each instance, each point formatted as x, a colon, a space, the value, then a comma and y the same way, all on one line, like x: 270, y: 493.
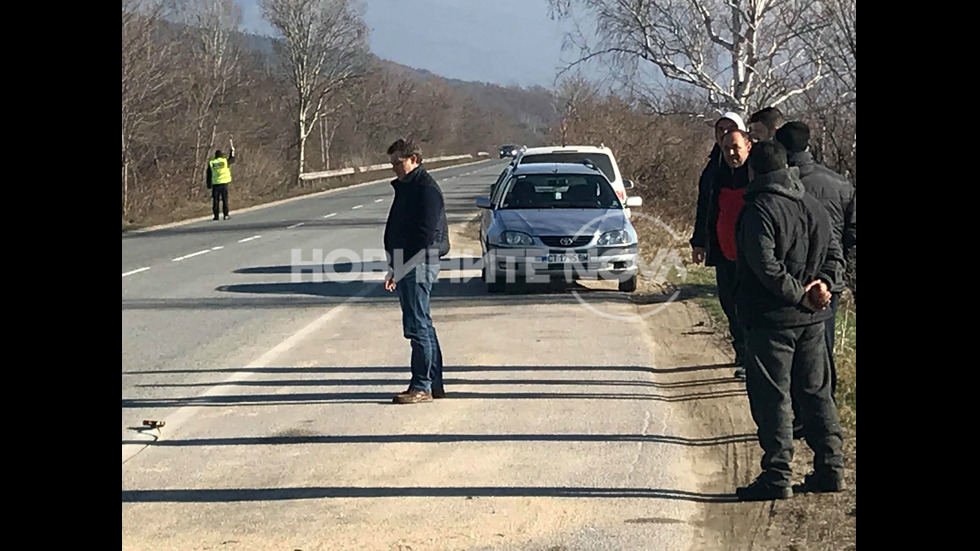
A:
x: 416, y: 236
x: 788, y: 260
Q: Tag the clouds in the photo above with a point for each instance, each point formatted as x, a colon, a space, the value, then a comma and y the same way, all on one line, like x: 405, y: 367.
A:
x: 507, y: 42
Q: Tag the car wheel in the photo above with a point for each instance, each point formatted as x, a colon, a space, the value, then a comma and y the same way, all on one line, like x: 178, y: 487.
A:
x: 629, y: 285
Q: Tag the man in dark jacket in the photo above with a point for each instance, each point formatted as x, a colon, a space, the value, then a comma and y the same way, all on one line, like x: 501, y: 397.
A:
x: 416, y: 236
x: 764, y: 123
x: 719, y: 199
x: 836, y: 195
x: 788, y: 260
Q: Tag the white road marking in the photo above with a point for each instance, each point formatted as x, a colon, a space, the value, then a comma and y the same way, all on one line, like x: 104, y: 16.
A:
x: 218, y: 248
x: 183, y: 414
x: 295, y: 225
x: 136, y: 271
x: 331, y: 214
x: 249, y: 238
x: 179, y: 258
x: 355, y: 207
x: 378, y: 200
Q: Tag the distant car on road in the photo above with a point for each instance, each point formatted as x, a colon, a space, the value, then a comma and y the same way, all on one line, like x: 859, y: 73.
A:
x: 507, y: 150
x: 601, y: 156
x: 557, y: 220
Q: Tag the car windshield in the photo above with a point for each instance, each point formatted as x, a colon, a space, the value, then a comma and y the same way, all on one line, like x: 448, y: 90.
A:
x: 560, y: 191
x: 600, y: 160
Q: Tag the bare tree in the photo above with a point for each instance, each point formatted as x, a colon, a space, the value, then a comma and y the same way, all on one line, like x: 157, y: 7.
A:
x: 743, y: 53
x: 146, y: 77
x: 214, y: 68
x: 324, y: 48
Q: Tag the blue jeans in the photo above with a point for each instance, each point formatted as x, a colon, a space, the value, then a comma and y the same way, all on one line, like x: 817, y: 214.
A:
x: 414, y: 290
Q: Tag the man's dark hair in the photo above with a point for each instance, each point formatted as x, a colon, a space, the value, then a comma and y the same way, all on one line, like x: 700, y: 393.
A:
x: 735, y: 131
x: 794, y: 135
x: 770, y: 117
x: 767, y: 156
x: 218, y: 153
x: 405, y: 149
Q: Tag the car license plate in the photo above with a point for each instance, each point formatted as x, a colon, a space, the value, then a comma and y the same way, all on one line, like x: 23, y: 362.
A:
x: 567, y: 258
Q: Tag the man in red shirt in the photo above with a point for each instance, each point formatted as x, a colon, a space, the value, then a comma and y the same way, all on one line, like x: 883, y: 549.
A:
x: 723, y: 203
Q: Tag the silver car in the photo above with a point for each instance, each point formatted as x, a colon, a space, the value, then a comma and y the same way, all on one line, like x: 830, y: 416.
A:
x: 557, y: 220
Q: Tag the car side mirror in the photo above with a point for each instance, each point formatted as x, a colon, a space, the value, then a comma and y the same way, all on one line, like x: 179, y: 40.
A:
x: 628, y: 184
x: 634, y: 201
x: 483, y: 202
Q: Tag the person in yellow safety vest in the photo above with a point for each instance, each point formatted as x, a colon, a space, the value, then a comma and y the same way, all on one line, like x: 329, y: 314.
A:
x: 219, y: 176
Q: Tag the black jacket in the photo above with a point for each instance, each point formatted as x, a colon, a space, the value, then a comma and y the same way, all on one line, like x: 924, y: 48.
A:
x: 417, y: 220
x: 785, y: 240
x: 716, y: 175
x: 836, y: 194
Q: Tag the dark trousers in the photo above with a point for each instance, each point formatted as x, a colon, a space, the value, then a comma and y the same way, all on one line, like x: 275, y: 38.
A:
x: 784, y: 363
x: 414, y: 290
x: 219, y: 193
x: 725, y: 276
x: 829, y: 332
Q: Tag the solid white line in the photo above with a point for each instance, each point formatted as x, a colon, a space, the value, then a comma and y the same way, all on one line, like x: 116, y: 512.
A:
x: 269, y: 358
x: 378, y: 200
x: 249, y: 238
x: 179, y: 258
x: 331, y: 214
x: 356, y: 207
x: 131, y: 272
x: 295, y: 225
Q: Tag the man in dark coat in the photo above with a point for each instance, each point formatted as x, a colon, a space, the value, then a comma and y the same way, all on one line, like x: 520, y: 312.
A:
x: 720, y: 190
x: 416, y: 236
x: 836, y: 195
x: 788, y: 260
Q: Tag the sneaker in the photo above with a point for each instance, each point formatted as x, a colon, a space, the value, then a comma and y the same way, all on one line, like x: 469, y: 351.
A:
x: 226, y: 217
x: 412, y: 396
x: 823, y: 482
x: 740, y: 374
x: 760, y: 490
x: 215, y: 218
x: 438, y: 393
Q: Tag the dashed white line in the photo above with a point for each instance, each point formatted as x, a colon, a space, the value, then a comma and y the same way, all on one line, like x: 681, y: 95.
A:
x: 355, y: 207
x: 331, y: 214
x: 218, y: 248
x: 295, y: 225
x: 136, y: 271
x: 249, y: 238
x: 179, y: 258
x: 378, y: 200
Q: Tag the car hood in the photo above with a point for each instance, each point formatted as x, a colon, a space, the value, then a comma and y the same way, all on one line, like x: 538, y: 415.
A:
x: 538, y: 222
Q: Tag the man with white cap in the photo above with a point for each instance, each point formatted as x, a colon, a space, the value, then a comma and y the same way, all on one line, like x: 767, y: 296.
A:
x: 720, y: 189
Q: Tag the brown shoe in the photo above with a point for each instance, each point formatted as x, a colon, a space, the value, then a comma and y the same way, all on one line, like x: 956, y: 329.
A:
x: 438, y: 393
x: 412, y: 397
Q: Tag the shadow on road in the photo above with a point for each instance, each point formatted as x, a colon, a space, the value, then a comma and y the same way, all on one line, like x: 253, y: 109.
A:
x: 385, y: 397
x: 448, y: 438
x: 275, y: 370
x: 322, y: 492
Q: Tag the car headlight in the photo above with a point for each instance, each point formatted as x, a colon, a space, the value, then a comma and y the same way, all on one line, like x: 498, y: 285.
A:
x: 515, y: 239
x: 615, y: 237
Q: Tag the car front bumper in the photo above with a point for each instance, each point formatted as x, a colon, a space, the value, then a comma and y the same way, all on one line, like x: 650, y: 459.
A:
x: 532, y: 264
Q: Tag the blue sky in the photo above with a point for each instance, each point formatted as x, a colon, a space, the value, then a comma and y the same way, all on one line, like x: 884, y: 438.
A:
x: 506, y: 42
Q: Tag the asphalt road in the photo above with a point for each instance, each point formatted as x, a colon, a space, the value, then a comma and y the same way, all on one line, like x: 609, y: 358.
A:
x: 276, y: 392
